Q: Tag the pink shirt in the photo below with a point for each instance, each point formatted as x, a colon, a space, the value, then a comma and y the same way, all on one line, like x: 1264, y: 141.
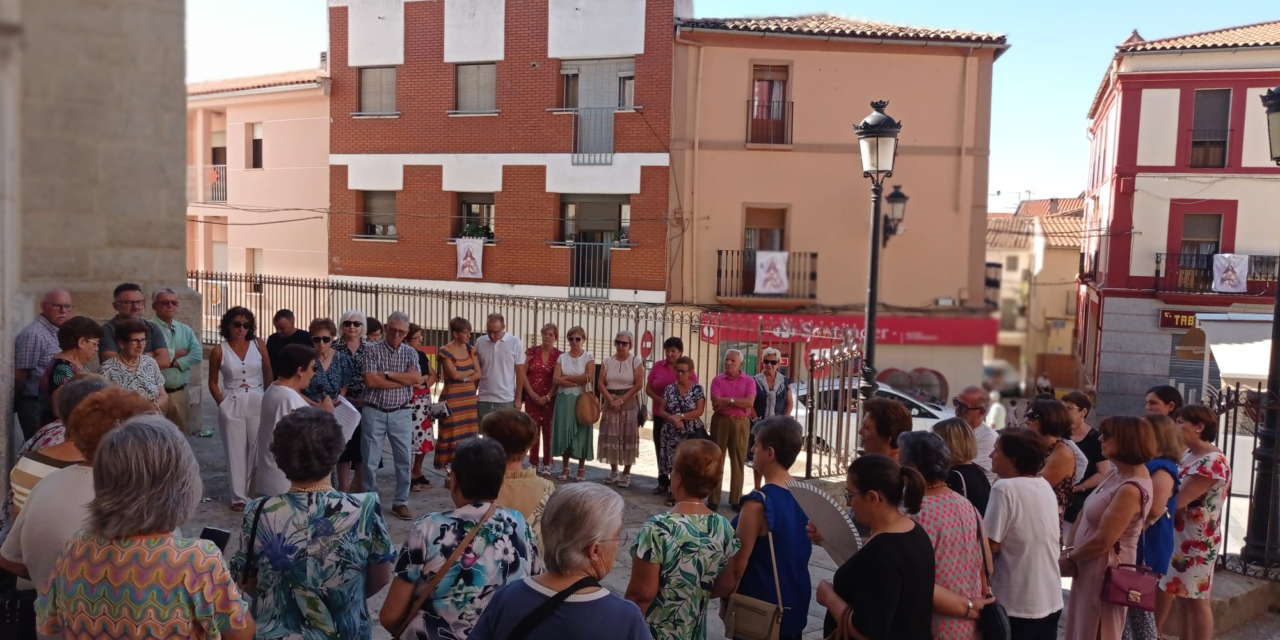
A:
x: 663, y: 375
x: 744, y: 386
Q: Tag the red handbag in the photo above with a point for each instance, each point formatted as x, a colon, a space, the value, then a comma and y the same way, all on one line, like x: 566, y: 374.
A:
x: 1131, y: 585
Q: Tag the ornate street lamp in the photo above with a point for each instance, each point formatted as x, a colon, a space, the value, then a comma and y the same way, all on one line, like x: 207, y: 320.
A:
x: 897, y: 211
x: 878, y: 143
x: 1272, y: 102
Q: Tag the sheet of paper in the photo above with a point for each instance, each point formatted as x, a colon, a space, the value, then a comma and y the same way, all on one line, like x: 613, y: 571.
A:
x: 348, y: 417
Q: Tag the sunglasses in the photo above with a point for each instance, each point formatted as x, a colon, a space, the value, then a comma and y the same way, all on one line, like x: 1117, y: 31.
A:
x: 772, y: 362
x: 352, y: 323
x: 962, y: 407
x: 622, y: 343
x: 1103, y: 435
x: 395, y: 332
x: 1032, y: 415
x: 236, y: 324
x: 319, y: 339
x: 575, y: 339
x: 684, y: 371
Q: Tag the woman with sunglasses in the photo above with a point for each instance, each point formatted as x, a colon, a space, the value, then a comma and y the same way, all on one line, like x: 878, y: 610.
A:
x: 623, y: 380
x: 1049, y: 418
x: 237, y: 369
x: 334, y: 370
x: 773, y: 397
x: 352, y: 345
x: 568, y: 436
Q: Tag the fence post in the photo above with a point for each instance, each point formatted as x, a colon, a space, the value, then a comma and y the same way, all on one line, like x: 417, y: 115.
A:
x: 810, y: 414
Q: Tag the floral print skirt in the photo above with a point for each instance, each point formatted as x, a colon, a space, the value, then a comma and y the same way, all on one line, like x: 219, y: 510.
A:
x: 620, y: 432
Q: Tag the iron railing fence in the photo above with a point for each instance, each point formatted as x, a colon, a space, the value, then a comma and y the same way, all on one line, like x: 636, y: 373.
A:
x: 769, y: 122
x: 1193, y: 273
x: 589, y: 270
x: 736, y: 271
x: 1209, y: 148
x: 207, y: 183
x: 1249, y: 452
x: 592, y: 135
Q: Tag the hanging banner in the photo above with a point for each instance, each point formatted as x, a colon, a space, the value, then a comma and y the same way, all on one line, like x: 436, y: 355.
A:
x: 771, y: 273
x: 1230, y: 272
x: 470, y: 258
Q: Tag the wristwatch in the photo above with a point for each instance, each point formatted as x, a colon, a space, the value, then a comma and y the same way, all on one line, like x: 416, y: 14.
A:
x: 969, y: 603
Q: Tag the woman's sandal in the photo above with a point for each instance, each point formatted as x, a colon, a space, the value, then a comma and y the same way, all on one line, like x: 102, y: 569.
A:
x: 659, y: 490
x: 671, y: 501
x: 237, y: 507
x: 564, y: 476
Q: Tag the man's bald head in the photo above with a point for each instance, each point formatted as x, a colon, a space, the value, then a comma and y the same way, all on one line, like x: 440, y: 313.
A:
x: 56, y: 306
x: 974, y: 401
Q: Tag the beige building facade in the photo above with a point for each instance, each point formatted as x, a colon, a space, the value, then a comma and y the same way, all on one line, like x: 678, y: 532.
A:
x: 766, y: 160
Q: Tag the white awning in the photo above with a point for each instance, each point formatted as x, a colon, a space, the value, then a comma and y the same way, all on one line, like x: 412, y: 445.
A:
x: 1240, y: 342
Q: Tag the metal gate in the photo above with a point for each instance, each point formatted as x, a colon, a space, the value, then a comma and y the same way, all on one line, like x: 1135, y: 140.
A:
x: 831, y: 405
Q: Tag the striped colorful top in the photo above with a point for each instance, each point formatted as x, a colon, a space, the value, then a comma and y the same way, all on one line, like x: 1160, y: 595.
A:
x: 31, y: 469
x: 461, y: 397
x: 146, y: 587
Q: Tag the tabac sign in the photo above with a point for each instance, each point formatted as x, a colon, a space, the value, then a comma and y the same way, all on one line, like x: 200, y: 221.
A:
x: 1177, y: 319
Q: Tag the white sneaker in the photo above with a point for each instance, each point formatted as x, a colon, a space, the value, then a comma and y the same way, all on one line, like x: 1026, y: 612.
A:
x: 546, y: 471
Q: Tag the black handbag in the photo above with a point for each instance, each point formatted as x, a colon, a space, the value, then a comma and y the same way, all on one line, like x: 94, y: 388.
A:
x: 18, y: 614
x: 993, y: 620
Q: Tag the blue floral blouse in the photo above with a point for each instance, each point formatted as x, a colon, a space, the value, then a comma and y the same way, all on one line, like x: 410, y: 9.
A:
x: 312, y: 552
x: 330, y: 382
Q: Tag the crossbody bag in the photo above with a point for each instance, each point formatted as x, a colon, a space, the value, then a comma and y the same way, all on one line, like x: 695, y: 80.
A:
x: 748, y: 618
x: 434, y: 582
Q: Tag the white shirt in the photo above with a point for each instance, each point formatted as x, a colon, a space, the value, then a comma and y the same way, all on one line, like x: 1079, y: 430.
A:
x: 498, y: 362
x: 56, y: 509
x: 278, y: 402
x: 571, y: 366
x: 986, y: 438
x: 1081, y: 462
x: 1022, y: 515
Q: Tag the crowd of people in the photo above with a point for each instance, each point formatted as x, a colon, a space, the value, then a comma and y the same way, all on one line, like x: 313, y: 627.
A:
x: 954, y: 519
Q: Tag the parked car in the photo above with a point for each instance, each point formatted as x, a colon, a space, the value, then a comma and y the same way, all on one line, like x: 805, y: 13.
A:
x: 999, y: 375
x: 835, y: 398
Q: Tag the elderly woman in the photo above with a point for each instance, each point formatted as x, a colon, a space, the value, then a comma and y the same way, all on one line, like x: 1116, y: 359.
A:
x: 147, y: 483
x: 334, y: 370
x: 620, y: 384
x: 883, y: 421
x: 133, y: 368
x: 422, y: 444
x: 682, y: 407
x: 1107, y: 531
x: 352, y: 345
x: 237, y: 369
x: 501, y: 551
x: 662, y: 375
x: 313, y: 526
x: 773, y: 397
x: 966, y: 477
x: 540, y: 394
x: 1205, y: 476
x: 678, y: 555
x: 78, y: 338
x: 954, y: 528
x: 583, y: 532
x: 569, y: 437
x: 1050, y: 419
x: 297, y: 366
x: 1022, y: 524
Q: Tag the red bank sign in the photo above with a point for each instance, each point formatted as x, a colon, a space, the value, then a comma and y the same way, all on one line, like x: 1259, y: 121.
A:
x: 903, y: 330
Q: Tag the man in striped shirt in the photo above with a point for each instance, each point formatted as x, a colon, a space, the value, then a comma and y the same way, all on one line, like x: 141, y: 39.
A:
x: 390, y: 373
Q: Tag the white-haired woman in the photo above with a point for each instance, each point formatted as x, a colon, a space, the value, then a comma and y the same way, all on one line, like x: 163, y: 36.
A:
x: 351, y: 344
x: 581, y: 534
x: 773, y: 398
x: 146, y: 483
x: 620, y: 384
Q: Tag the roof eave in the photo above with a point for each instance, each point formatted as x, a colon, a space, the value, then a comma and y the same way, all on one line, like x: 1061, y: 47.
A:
x: 235, y: 93
x: 998, y: 47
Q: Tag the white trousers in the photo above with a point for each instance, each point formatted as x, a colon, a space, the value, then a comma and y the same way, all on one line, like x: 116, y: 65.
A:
x: 238, y: 418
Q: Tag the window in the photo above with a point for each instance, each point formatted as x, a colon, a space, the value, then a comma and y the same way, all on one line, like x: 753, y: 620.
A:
x: 477, y: 215
x: 476, y: 87
x: 1211, y: 121
x: 1011, y: 264
x: 601, y: 219
x: 1201, y: 233
x: 768, y: 110
x: 253, y: 265
x: 1008, y: 314
x: 571, y: 91
x: 626, y: 92
x: 624, y: 224
x: 378, y: 90
x: 380, y: 213
x: 255, y: 146
x: 218, y: 251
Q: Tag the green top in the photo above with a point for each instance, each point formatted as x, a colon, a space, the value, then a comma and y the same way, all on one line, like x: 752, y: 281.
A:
x: 691, y: 551
x: 180, y: 336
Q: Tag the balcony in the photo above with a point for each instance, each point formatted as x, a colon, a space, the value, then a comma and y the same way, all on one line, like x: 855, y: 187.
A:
x: 1209, y: 148
x: 207, y: 183
x: 991, y: 285
x: 592, y: 135
x: 768, y: 123
x: 589, y: 270
x: 1193, y: 273
x: 736, y: 272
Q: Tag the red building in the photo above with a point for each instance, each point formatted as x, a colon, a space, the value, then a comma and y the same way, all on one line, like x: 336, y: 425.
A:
x: 1180, y: 179
x: 541, y: 127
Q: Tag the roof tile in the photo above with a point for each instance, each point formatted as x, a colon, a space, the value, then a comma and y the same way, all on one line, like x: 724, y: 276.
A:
x: 1062, y: 232
x: 1009, y: 232
x: 305, y: 76
x: 1050, y: 206
x: 1263, y: 34
x: 836, y: 26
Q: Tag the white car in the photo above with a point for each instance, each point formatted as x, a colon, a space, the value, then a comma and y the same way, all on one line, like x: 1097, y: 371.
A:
x: 832, y: 394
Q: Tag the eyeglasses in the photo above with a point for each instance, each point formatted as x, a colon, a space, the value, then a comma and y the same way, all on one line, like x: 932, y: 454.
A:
x: 352, y: 323
x: 236, y: 324
x: 392, y: 331
x: 684, y: 371
x: 575, y: 339
x: 60, y: 307
x: 622, y: 343
x: 623, y: 538
x: 964, y: 408
x: 93, y: 342
x: 167, y: 303
x: 319, y: 339
x: 130, y: 303
x: 1031, y: 415
x: 771, y: 362
x: 137, y: 341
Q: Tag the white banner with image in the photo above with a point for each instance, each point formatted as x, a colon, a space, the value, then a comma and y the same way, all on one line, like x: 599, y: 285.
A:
x: 1230, y: 273
x: 470, y: 258
x: 771, y: 272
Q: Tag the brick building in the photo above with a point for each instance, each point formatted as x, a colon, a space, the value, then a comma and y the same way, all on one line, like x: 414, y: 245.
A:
x: 542, y: 127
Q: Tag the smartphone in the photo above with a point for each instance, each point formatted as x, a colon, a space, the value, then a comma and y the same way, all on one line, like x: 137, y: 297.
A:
x: 219, y: 537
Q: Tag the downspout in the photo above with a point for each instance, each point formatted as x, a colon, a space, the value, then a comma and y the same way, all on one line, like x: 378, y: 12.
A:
x: 693, y: 183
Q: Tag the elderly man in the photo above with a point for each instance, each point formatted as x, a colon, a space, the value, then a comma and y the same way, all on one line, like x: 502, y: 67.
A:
x: 287, y: 333
x: 184, y: 354
x: 971, y: 406
x: 129, y: 303
x: 390, y: 373
x: 36, y: 345
x: 733, y: 394
x: 502, y: 359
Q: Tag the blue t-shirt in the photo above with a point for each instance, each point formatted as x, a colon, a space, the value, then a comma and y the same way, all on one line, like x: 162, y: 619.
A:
x: 793, y: 548
x: 581, y: 617
x: 1157, y: 540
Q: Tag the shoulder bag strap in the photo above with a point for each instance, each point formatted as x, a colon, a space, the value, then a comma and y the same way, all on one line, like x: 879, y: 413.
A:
x: 434, y: 582
x: 964, y: 486
x: 250, y: 564
x: 773, y: 557
x: 1142, y: 518
x: 531, y: 621
x: 982, y: 549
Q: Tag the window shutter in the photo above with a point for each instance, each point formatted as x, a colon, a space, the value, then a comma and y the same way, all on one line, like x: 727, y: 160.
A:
x: 257, y: 131
x: 487, y: 88
x: 467, y: 87
x: 388, y: 90
x: 380, y: 207
x: 370, y: 90
x: 769, y: 72
x: 1213, y: 109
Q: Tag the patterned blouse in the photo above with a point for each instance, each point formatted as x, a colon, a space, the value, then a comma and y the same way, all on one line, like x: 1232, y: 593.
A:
x: 690, y: 551
x: 539, y: 373
x: 312, y: 551
x: 146, y: 587
x: 355, y: 388
x: 330, y: 382
x: 49, y: 435
x: 58, y: 373
x: 501, y: 553
x: 952, y: 524
x: 146, y: 380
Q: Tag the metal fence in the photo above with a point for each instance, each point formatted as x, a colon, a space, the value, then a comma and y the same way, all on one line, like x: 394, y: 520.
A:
x: 1193, y: 273
x: 589, y: 270
x: 768, y: 122
x: 593, y: 135
x: 207, y: 183
x: 830, y: 411
x: 1250, y: 454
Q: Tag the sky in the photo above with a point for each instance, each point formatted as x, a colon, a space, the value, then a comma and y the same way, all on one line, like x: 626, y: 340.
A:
x: 1042, y: 88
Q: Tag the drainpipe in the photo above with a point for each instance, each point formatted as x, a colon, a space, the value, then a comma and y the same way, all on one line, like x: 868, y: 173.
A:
x: 693, y: 183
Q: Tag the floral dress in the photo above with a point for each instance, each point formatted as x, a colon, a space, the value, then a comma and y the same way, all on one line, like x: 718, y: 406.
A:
x: 145, y: 379
x: 312, y: 551
x: 501, y: 553
x: 539, y: 374
x: 328, y: 383
x: 672, y: 437
x: 952, y: 524
x: 1197, y: 538
x: 690, y: 551
x: 420, y: 411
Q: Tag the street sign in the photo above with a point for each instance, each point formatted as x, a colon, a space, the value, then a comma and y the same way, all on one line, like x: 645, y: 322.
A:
x: 1177, y: 319
x: 646, y: 345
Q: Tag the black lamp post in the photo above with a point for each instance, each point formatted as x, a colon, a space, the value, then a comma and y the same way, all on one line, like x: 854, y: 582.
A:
x: 1261, y: 543
x: 878, y: 142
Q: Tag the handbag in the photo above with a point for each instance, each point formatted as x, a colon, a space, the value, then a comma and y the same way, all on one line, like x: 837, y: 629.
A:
x: 642, y: 414
x: 993, y: 620
x: 588, y: 406
x: 18, y: 614
x: 531, y: 621
x: 1131, y: 585
x: 434, y: 582
x: 747, y: 618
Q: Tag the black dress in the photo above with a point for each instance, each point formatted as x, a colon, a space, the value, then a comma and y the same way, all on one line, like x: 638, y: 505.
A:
x: 970, y: 481
x: 889, y: 585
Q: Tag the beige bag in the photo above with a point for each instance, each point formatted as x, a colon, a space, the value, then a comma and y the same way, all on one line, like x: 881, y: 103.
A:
x: 588, y: 406
x: 747, y: 618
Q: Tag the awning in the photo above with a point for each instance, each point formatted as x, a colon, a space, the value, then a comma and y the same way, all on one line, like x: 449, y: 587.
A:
x: 1240, y: 342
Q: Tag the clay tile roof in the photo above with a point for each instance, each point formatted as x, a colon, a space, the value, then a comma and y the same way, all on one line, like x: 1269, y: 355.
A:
x: 835, y: 26
x: 1050, y: 206
x: 305, y: 76
x: 1009, y: 232
x: 1061, y: 232
x: 1263, y: 34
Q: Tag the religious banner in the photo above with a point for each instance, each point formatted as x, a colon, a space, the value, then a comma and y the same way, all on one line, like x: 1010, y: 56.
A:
x: 1230, y: 271
x: 470, y: 257
x: 771, y: 273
